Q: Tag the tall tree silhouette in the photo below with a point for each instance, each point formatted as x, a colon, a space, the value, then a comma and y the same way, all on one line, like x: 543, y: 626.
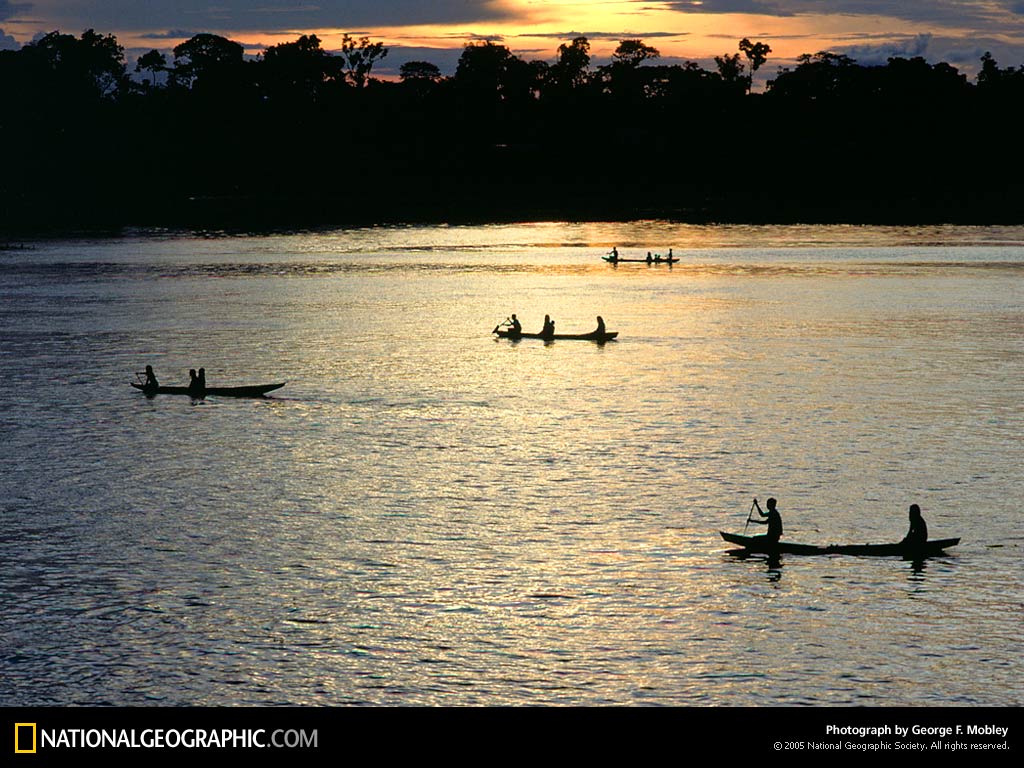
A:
x: 632, y: 53
x: 152, y: 62
x: 483, y: 68
x: 419, y: 70
x: 207, y: 62
x: 757, y: 54
x: 298, y: 71
x: 91, y: 66
x: 360, y: 56
x: 570, y: 70
x: 817, y: 76
x: 622, y: 78
x: 730, y: 69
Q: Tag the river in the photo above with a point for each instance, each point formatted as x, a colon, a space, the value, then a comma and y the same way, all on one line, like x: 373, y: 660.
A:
x: 426, y: 515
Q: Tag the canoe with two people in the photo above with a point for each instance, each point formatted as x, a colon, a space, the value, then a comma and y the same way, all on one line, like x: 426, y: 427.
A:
x: 915, y: 545
x: 197, y: 382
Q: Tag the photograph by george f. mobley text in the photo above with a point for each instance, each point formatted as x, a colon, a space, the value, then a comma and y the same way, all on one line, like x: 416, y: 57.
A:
x: 567, y: 378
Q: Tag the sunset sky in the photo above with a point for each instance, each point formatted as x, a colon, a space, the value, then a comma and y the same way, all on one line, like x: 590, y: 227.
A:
x: 955, y: 31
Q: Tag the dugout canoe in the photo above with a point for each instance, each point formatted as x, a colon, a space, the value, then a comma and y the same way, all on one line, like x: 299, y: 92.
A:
x: 252, y: 391
x: 758, y: 544
x: 612, y: 260
x: 592, y: 336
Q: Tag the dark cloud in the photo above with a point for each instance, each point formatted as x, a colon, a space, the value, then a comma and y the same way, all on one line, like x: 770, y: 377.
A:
x: 445, y: 59
x: 879, y: 54
x: 966, y: 53
x: 7, y: 43
x: 8, y: 9
x: 171, y: 34
x: 767, y: 35
x: 969, y: 56
x: 263, y: 15
x: 962, y: 52
x: 567, y: 36
x: 730, y: 6
x: 984, y: 14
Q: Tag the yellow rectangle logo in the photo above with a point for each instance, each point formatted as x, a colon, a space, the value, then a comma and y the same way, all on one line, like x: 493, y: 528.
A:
x: 17, y: 738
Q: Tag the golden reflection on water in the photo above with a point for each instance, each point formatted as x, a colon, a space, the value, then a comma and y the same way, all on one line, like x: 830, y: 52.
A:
x: 430, y: 515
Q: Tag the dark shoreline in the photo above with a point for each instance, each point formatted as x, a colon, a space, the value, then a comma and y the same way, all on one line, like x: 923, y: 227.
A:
x: 258, y: 214
x: 295, y: 140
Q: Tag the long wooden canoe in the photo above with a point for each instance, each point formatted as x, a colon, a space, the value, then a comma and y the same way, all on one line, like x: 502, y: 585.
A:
x: 253, y: 391
x: 592, y: 336
x: 758, y: 544
x: 663, y: 260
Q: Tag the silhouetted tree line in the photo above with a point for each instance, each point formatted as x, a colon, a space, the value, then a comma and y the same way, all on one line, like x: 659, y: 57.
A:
x: 300, y: 135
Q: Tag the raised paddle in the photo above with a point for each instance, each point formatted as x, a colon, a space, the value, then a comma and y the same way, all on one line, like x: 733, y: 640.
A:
x: 748, y: 516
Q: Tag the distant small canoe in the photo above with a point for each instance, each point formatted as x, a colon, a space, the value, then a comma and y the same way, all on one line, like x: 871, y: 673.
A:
x: 758, y: 544
x: 255, y: 391
x: 592, y: 336
x: 663, y: 260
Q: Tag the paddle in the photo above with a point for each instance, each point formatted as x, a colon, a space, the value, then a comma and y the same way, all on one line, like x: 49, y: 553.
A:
x: 748, y: 516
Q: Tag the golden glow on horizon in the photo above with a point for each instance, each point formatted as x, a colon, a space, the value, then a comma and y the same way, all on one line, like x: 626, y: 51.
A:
x: 534, y: 30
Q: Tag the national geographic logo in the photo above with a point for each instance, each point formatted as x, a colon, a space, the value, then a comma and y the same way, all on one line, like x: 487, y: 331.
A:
x: 24, y: 738
x: 29, y: 738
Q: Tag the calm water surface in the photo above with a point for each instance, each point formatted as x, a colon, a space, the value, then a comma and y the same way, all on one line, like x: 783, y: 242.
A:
x: 427, y: 515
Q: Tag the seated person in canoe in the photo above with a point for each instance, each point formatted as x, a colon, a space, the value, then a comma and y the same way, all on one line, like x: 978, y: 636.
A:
x: 774, y: 521
x: 918, y: 533
x: 150, y: 384
x: 549, y: 327
x: 513, y: 324
x: 195, y: 386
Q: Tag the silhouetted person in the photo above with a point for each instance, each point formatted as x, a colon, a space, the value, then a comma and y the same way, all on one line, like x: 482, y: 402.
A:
x: 202, y: 379
x: 670, y: 254
x: 517, y: 327
x: 918, y: 533
x: 549, y: 327
x: 614, y: 253
x: 151, y: 384
x: 193, y: 383
x: 774, y: 521
x: 649, y: 257
x: 600, y: 326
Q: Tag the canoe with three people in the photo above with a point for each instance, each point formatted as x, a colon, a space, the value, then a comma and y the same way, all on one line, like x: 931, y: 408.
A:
x: 613, y: 257
x: 512, y: 328
x: 197, y: 388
